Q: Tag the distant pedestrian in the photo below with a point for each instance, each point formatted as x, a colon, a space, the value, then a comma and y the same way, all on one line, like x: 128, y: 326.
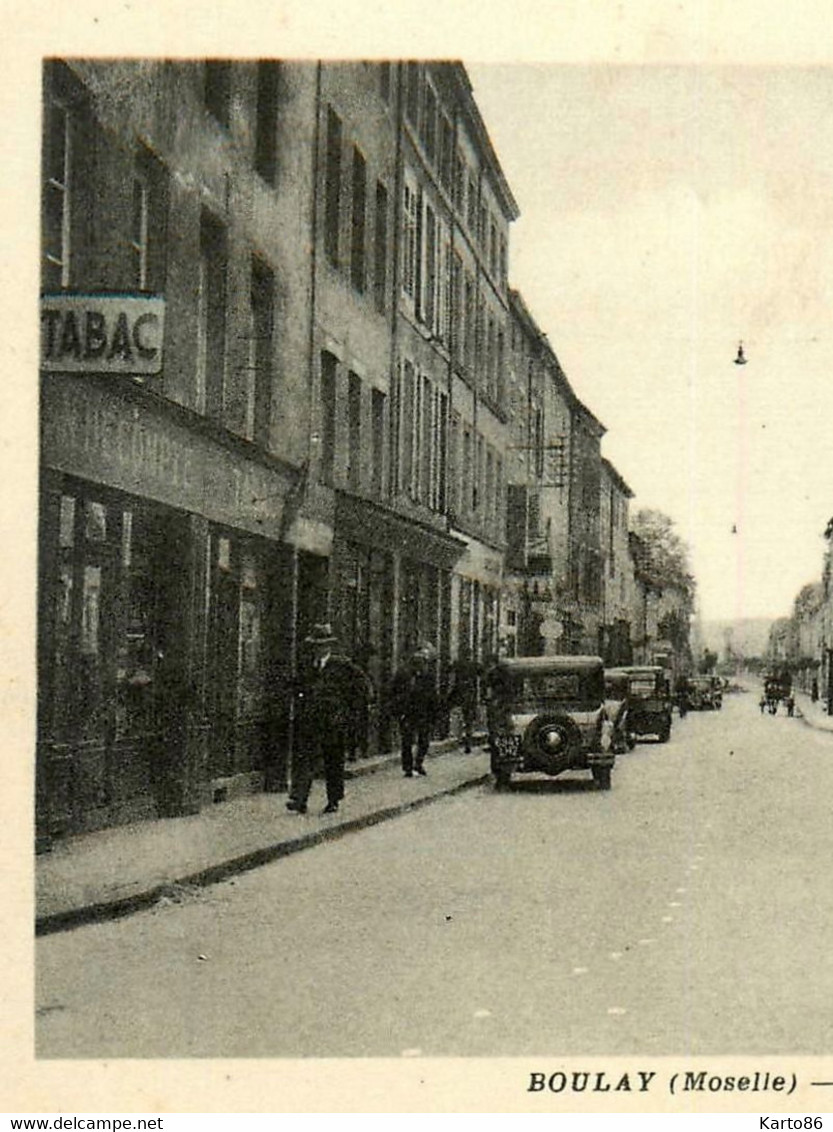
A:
x: 326, y: 691
x: 814, y: 691
x: 681, y: 695
x: 416, y: 706
x: 762, y: 703
x: 790, y: 702
x: 463, y: 694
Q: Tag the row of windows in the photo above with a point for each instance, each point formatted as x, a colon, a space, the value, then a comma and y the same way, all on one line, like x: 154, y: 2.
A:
x: 217, y: 98
x: 420, y: 438
x: 445, y: 298
x: 435, y: 129
x: 144, y: 268
x: 344, y: 441
x: 346, y: 188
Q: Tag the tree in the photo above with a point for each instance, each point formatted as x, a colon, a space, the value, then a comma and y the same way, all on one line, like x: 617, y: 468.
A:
x: 661, y: 558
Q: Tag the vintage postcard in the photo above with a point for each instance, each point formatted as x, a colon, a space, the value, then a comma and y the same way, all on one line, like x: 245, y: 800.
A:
x: 419, y: 619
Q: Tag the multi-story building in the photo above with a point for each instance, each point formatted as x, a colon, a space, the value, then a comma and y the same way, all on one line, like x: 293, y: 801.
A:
x: 617, y: 567
x: 177, y: 217
x: 583, y: 605
x: 538, y: 491
x: 283, y: 381
x: 274, y: 321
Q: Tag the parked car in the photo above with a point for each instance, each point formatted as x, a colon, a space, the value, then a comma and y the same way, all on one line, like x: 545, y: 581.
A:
x: 546, y: 714
x: 647, y: 707
x: 705, y: 693
x: 617, y: 704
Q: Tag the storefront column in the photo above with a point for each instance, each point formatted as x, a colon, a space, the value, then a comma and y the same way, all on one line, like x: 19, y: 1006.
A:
x: 192, y: 773
x: 396, y: 576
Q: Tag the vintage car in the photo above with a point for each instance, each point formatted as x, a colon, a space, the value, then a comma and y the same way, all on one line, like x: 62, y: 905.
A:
x: 617, y: 687
x: 705, y: 693
x: 546, y: 714
x: 644, y: 700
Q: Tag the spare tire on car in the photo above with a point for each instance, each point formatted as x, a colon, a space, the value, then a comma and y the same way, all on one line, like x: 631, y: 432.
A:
x: 552, y: 742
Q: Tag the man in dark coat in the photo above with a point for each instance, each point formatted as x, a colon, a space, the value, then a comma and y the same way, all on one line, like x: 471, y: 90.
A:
x: 415, y: 703
x: 326, y: 692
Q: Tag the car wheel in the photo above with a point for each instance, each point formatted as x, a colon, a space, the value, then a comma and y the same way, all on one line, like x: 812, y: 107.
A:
x: 665, y: 735
x: 631, y: 741
x: 601, y: 776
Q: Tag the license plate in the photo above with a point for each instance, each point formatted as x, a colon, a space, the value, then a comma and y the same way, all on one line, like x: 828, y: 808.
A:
x: 507, y: 745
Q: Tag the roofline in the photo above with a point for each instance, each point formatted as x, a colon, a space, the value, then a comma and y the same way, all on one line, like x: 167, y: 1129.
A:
x: 572, y: 397
x: 460, y: 76
x: 617, y: 478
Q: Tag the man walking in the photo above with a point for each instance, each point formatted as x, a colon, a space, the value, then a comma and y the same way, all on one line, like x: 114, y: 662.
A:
x: 416, y: 704
x: 327, y: 690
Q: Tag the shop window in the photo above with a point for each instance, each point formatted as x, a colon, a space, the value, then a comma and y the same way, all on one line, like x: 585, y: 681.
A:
x: 95, y: 521
x: 251, y: 671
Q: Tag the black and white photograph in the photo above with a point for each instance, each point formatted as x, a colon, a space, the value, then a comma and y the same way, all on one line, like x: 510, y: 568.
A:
x: 432, y: 591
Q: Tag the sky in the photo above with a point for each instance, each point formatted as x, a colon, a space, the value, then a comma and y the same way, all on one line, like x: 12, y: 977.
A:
x: 668, y: 212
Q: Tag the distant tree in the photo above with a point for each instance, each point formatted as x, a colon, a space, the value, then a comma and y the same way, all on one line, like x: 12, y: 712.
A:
x: 661, y: 558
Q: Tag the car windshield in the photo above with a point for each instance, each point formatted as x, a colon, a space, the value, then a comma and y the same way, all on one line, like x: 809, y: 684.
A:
x: 643, y: 685
x: 532, y: 691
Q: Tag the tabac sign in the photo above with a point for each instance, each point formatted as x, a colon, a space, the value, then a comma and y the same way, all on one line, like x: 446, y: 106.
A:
x: 102, y: 333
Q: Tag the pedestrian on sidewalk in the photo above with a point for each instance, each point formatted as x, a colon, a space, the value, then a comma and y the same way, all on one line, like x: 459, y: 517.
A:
x: 326, y: 691
x: 790, y: 702
x: 416, y: 706
x: 463, y: 694
x: 814, y: 691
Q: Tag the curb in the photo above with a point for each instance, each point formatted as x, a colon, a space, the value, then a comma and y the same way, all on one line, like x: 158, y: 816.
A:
x: 125, y: 906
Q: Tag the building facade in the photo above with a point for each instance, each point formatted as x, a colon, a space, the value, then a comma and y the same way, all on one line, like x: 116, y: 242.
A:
x: 283, y: 381
x: 616, y: 645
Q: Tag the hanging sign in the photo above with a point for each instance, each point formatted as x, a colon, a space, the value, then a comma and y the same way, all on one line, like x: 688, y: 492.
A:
x: 102, y: 333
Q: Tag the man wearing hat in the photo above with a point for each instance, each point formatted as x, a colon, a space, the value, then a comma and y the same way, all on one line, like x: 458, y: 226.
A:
x: 416, y: 704
x: 327, y: 689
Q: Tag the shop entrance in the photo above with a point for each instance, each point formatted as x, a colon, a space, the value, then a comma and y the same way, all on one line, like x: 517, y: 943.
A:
x: 111, y: 702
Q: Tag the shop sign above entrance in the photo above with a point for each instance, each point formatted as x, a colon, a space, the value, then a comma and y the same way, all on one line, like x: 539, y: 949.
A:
x: 102, y: 333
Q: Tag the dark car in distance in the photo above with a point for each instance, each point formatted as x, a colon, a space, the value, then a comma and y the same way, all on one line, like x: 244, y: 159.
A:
x: 705, y: 693
x: 546, y: 715
x: 643, y: 697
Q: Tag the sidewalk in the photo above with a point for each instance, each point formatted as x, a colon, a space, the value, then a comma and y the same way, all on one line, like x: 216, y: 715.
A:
x: 813, y: 713
x: 109, y: 873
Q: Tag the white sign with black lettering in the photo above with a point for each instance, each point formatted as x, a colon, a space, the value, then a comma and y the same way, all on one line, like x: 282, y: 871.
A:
x: 102, y: 333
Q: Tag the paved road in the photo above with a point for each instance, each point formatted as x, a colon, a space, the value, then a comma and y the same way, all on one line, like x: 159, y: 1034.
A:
x: 686, y: 911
